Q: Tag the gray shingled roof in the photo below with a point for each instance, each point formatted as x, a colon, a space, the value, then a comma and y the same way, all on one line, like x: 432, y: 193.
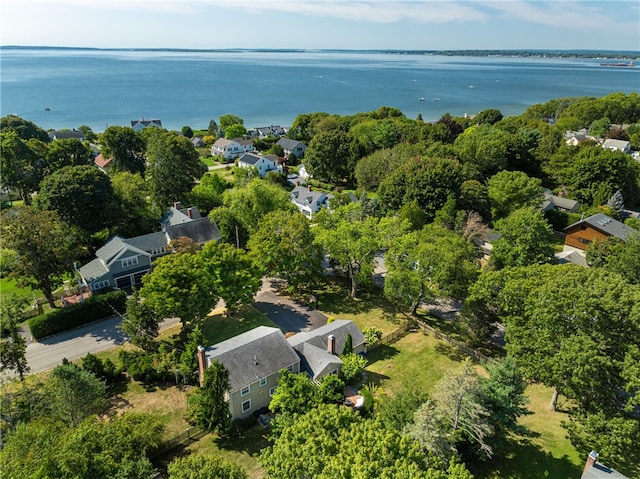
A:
x: 288, y: 143
x: 148, y: 242
x: 175, y: 216
x: 66, y: 134
x: 200, y: 231
x: 338, y: 328
x: 93, y: 270
x: 599, y: 471
x: 304, y: 196
x: 114, y: 248
x: 314, y: 360
x: 253, y: 355
x: 606, y: 224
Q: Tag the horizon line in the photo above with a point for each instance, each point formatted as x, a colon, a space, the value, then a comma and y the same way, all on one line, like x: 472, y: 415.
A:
x: 320, y: 50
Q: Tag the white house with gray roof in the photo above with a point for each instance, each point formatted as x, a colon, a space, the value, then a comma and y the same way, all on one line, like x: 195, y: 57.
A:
x: 263, y: 164
x: 617, y: 145
x: 292, y: 147
x: 230, y: 149
x: 309, y: 201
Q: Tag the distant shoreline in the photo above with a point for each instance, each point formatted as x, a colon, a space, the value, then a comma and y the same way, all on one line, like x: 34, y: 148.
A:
x: 515, y: 53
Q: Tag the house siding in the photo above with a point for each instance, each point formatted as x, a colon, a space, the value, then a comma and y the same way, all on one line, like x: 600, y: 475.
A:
x: 259, y: 395
x: 581, y: 237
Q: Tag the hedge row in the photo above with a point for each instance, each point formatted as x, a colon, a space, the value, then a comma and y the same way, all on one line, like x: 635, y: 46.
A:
x: 92, y: 309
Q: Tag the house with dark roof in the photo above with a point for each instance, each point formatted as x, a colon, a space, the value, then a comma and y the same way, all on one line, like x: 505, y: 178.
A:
x: 66, y: 135
x: 596, y: 227
x: 263, y: 164
x: 292, y: 147
x: 142, y: 123
x: 256, y: 358
x: 554, y: 202
x: 122, y: 262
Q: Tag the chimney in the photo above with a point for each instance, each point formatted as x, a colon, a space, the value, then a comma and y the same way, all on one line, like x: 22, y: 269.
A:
x: 331, y: 344
x: 202, y: 361
x: 177, y: 205
x: 591, y: 460
x: 190, y: 212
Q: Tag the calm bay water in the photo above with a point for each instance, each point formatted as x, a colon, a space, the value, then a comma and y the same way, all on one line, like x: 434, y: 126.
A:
x: 104, y: 88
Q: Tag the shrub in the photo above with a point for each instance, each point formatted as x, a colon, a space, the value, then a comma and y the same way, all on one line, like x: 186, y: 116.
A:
x: 372, y: 335
x: 94, y: 308
x: 352, y: 367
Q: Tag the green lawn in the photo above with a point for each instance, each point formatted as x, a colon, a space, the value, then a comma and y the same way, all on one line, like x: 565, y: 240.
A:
x: 8, y: 286
x: 209, y: 160
x: 370, y: 309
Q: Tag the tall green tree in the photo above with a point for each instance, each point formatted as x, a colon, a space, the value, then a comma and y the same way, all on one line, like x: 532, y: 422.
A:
x: 284, y: 246
x: 180, y: 287
x: 25, y: 129
x: 618, y: 256
x: 429, y: 181
x: 208, y: 405
x: 351, y: 243
x: 141, y: 323
x: 327, y: 157
x: 135, y: 213
x: 68, y: 152
x: 525, y: 239
x: 21, y: 166
x: 512, y: 190
x: 45, y: 245
x: 173, y: 167
x: 251, y: 203
x: 82, y: 195
x: 429, y: 264
x: 13, y: 349
x: 234, y: 277
x: 75, y: 394
x: 125, y: 146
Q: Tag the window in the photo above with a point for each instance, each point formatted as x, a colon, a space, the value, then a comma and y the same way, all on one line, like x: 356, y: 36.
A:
x: 131, y: 261
x: 263, y: 382
x: 100, y: 284
x: 272, y: 391
x: 584, y: 241
x: 245, y: 390
x: 246, y: 406
x: 290, y: 368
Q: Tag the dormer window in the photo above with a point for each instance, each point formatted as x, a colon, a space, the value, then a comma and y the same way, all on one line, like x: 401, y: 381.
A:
x: 128, y: 262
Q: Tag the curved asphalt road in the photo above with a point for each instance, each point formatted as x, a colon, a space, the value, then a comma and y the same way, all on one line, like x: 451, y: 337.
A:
x: 92, y: 338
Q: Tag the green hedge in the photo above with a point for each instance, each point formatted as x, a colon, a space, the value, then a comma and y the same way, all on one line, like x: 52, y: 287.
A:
x: 92, y: 309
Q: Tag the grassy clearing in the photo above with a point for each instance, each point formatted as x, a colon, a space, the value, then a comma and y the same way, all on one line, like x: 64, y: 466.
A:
x: 417, y: 359
x: 166, y: 401
x: 9, y: 286
x: 370, y: 309
x: 546, y: 452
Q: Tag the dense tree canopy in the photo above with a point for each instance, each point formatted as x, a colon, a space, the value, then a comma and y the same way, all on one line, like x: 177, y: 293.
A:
x: 173, y: 167
x: 82, y: 196
x: 125, y: 146
x: 21, y: 167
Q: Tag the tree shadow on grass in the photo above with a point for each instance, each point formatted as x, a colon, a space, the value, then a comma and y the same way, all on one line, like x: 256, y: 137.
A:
x: 374, y: 378
x: 382, y: 353
x: 245, y: 439
x: 453, y: 353
x: 521, y: 459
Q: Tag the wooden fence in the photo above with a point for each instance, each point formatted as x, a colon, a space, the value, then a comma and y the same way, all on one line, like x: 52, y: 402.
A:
x: 413, y: 323
x: 191, y: 434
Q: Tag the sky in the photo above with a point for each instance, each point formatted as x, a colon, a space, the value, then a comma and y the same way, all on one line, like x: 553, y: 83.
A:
x: 323, y: 24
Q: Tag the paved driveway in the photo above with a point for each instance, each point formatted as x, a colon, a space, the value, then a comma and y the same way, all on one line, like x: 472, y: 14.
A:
x: 287, y: 314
